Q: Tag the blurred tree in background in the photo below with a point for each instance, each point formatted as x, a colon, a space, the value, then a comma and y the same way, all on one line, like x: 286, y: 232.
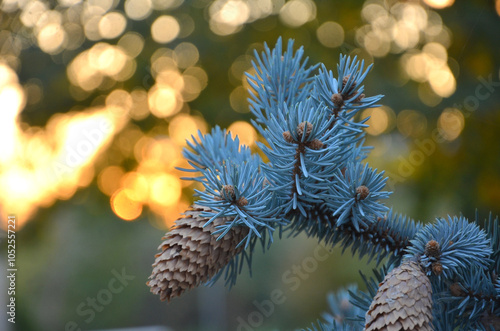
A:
x: 98, y: 97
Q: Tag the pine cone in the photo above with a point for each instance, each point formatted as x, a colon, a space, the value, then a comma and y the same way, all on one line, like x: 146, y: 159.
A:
x: 403, y: 301
x: 191, y: 255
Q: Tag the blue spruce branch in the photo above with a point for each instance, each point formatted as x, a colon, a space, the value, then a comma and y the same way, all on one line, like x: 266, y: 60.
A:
x: 316, y: 181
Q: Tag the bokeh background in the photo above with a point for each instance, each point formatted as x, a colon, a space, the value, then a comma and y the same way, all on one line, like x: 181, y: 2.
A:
x: 97, y: 98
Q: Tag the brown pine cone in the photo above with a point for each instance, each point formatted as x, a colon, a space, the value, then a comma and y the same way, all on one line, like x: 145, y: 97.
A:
x: 403, y: 301
x: 191, y: 255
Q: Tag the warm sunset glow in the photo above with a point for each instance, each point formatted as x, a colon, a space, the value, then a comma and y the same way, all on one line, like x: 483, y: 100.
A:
x: 43, y: 165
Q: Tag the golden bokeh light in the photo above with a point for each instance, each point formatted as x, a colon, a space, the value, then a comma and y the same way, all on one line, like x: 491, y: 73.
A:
x: 43, y: 165
x: 411, y: 123
x: 120, y: 100
x: 32, y: 12
x: 227, y: 17
x: 164, y: 101
x: 89, y: 68
x: 124, y: 206
x: 140, y: 106
x: 238, y: 100
x: 381, y: 120
x: 112, y: 25
x: 442, y: 82
x: 182, y: 127
x: 497, y: 7
x: 186, y: 55
x: 109, y: 178
x: 138, y: 9
x: 330, y: 34
x: 439, y: 4
x: 427, y: 95
x: 297, y: 12
x: 171, y: 78
x: 166, y: 189
x: 51, y: 38
x: 132, y: 43
x: 451, y: 123
x: 165, y: 29
x: 245, y: 132
x: 138, y: 185
x: 431, y: 65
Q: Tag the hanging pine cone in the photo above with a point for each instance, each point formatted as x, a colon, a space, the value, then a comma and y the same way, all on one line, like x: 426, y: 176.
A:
x: 403, y: 301
x: 191, y: 255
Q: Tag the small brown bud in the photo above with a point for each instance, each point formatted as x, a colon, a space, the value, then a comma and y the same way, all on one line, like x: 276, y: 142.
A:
x: 437, y: 268
x: 304, y: 125
x: 315, y: 144
x: 456, y: 290
x: 345, y: 80
x: 432, y: 249
x: 360, y: 97
x: 242, y: 201
x: 288, y: 137
x: 227, y: 192
x: 362, y: 192
x: 338, y: 100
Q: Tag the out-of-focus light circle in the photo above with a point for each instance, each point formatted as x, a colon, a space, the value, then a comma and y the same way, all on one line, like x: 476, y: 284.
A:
x: 109, y: 178
x: 427, y: 95
x: 138, y: 186
x: 166, y: 4
x: 442, y: 82
x: 186, y: 55
x: 439, y: 3
x: 199, y: 74
x: 238, y: 100
x: 124, y: 206
x: 165, y: 29
x: 298, y: 12
x: 381, y: 119
x: 112, y: 25
x: 121, y: 99
x: 91, y: 28
x: 140, y: 108
x: 451, y: 123
x: 232, y: 12
x: 75, y: 34
x: 32, y: 12
x: 166, y: 189
x: 104, y: 5
x: 51, y: 38
x: 330, y: 34
x: 68, y: 3
x: 411, y: 123
x: 132, y: 43
x: 163, y: 101
x: 138, y: 9
x: 245, y: 132
x: 181, y: 128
